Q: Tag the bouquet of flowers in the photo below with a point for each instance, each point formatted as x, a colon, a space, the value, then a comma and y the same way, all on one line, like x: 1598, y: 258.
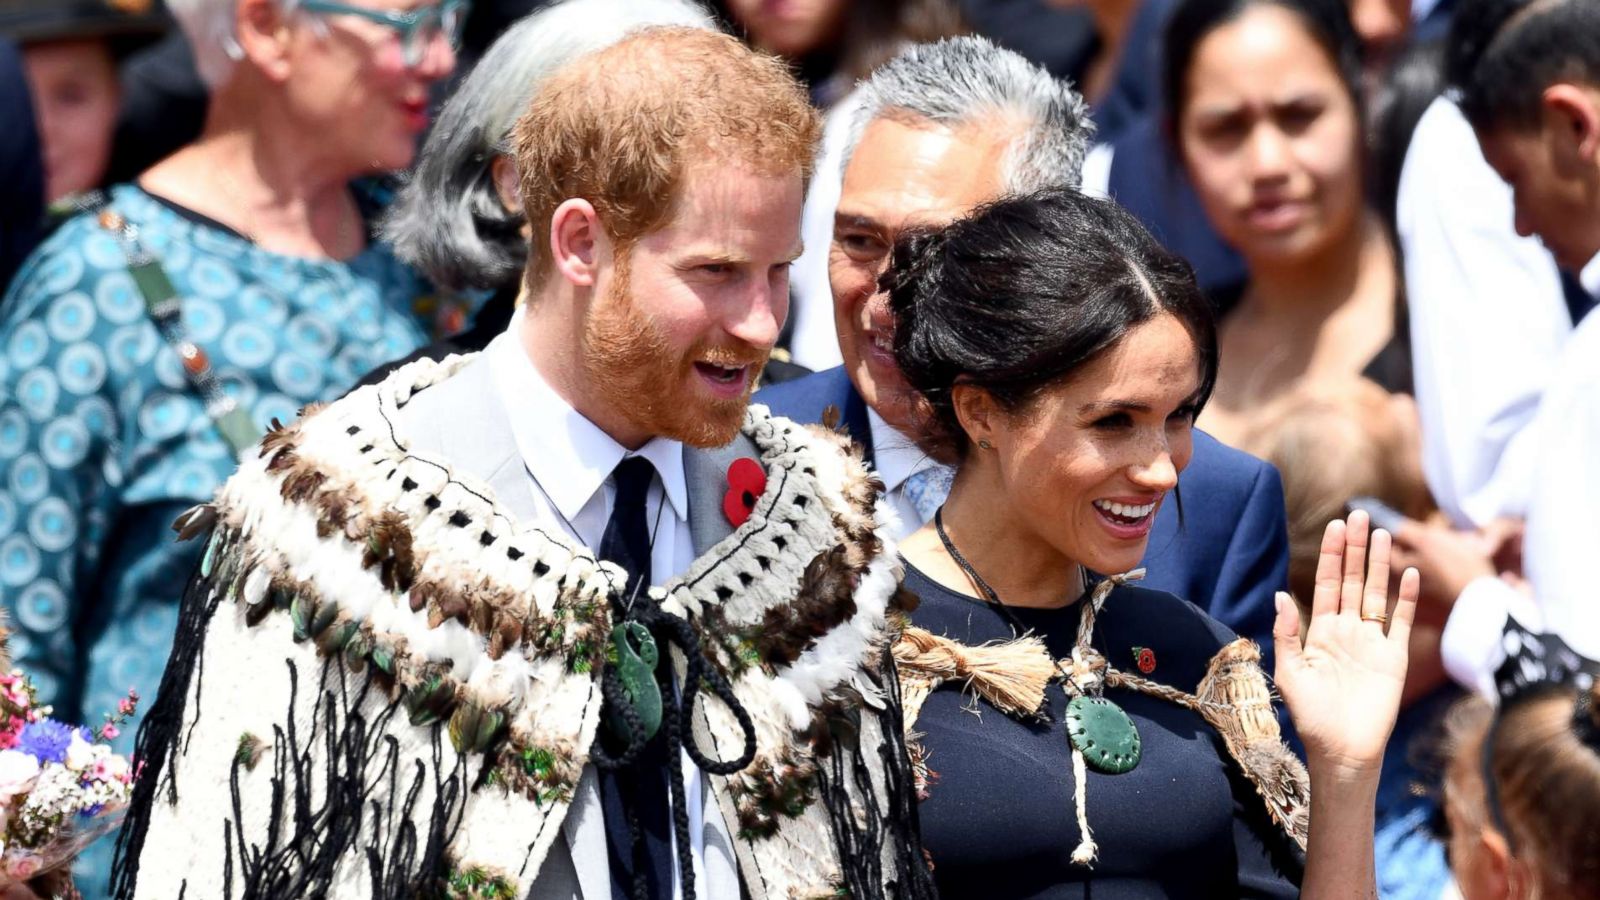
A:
x: 60, y: 785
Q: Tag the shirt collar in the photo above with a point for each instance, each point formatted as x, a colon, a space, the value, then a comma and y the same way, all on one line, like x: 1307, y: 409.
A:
x: 567, y: 454
x: 895, y: 456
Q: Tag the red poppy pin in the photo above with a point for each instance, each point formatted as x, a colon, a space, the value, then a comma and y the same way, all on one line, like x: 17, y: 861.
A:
x: 1145, y: 658
x: 746, y: 482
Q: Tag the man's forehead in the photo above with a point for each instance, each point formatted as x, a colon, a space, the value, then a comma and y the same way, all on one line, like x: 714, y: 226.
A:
x: 916, y: 172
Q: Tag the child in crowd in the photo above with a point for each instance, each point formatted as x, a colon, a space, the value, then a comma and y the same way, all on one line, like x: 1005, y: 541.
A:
x: 1522, y: 796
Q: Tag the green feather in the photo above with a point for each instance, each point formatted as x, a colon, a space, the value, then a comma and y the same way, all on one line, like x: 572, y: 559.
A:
x: 356, y: 650
x: 383, y: 658
x: 322, y: 618
x: 335, y: 638
x: 209, y: 560
x: 430, y: 701
x: 301, y: 611
x: 473, y: 727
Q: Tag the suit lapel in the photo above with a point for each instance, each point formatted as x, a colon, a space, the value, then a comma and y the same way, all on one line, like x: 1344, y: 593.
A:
x: 585, y: 832
x: 854, y: 418
x: 705, y: 474
x: 462, y: 420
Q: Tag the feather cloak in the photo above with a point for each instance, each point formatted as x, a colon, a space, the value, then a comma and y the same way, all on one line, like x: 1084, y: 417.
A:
x: 383, y: 686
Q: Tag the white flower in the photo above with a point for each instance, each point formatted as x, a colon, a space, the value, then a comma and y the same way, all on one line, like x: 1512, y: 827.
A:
x: 80, y: 753
x: 18, y: 772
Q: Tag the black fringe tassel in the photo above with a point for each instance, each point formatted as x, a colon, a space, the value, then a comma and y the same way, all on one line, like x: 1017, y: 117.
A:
x: 316, y: 818
x: 844, y: 773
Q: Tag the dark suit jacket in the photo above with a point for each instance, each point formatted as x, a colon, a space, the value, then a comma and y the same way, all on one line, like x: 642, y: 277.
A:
x: 21, y: 168
x: 1229, y: 553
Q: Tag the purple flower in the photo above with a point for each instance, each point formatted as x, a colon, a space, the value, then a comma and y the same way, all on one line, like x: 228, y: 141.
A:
x: 45, y: 740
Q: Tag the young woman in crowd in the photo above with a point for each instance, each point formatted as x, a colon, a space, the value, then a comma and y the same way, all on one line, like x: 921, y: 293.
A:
x: 1264, y: 105
x: 1063, y: 356
x: 151, y: 340
x: 1522, y: 796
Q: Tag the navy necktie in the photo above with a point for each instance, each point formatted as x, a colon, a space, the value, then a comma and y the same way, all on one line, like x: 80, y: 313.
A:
x: 639, y: 790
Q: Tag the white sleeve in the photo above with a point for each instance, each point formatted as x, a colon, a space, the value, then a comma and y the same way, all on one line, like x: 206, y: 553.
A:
x: 1563, y: 537
x: 1488, y: 319
x: 1471, y: 644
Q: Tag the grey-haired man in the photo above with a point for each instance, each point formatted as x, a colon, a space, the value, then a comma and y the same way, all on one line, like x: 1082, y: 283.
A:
x: 939, y: 130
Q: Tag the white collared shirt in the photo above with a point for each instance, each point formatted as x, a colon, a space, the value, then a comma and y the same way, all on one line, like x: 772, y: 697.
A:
x: 569, y: 461
x: 895, y: 457
x: 1488, y: 321
x: 1563, y: 531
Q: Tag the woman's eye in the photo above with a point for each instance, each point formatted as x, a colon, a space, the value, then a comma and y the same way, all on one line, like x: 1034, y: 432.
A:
x: 1113, y: 422
x: 1298, y: 118
x: 1224, y: 131
x: 1183, y: 414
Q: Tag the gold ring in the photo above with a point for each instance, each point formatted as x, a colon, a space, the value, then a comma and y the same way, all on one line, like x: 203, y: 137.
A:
x: 1380, y: 618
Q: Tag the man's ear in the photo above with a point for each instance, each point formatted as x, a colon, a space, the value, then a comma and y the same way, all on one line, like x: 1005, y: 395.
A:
x: 980, y: 416
x: 1572, y: 115
x: 578, y: 245
x: 507, y: 183
x: 262, y: 36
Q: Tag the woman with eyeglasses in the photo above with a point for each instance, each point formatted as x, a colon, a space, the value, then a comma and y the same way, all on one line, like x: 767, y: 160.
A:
x: 154, y: 337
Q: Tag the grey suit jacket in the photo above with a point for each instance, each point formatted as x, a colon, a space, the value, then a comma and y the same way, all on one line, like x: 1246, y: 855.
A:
x: 462, y: 422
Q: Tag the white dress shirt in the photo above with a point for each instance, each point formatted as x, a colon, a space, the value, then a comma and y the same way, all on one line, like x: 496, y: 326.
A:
x: 1488, y: 321
x: 1563, y: 531
x: 570, y: 461
x: 895, y: 458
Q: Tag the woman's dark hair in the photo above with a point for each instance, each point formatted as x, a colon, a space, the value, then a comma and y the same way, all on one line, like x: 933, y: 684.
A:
x: 1326, y: 21
x: 1025, y: 292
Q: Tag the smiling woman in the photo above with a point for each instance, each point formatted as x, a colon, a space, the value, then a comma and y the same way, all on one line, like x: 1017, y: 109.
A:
x: 1061, y: 357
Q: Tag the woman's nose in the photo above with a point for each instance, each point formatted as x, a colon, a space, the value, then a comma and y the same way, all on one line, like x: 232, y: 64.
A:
x: 1159, y: 474
x: 1269, y: 152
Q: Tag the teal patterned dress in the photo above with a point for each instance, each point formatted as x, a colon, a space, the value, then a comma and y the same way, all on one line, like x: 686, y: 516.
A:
x: 103, y: 440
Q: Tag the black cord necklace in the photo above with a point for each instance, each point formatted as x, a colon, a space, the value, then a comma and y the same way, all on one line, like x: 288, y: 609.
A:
x: 1100, y: 730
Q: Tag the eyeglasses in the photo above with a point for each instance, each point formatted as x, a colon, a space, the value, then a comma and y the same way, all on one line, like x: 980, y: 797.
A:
x: 416, y: 28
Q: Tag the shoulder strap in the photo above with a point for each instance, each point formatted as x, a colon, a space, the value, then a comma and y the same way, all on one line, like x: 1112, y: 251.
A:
x: 165, y: 310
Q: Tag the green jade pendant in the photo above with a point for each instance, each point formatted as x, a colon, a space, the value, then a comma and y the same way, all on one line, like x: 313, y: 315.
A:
x: 637, y: 669
x: 1103, y: 733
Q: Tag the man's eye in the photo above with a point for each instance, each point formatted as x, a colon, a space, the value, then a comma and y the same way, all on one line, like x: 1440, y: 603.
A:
x: 716, y: 268
x: 861, y: 246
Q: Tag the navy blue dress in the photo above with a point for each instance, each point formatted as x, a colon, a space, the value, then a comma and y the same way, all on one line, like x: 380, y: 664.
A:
x: 999, y: 819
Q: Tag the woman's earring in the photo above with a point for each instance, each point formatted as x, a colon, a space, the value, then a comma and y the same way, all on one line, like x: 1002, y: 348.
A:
x: 986, y: 445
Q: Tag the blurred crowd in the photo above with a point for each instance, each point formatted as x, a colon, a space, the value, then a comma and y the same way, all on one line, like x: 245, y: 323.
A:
x: 216, y: 212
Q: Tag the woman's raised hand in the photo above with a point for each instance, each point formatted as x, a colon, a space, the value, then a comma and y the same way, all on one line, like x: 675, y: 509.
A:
x: 1342, y: 681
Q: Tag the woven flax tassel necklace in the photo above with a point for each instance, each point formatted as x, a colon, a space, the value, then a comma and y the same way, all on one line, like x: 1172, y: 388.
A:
x: 1102, y: 735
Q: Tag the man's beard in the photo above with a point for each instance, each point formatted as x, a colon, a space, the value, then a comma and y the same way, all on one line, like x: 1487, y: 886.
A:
x: 635, y: 371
